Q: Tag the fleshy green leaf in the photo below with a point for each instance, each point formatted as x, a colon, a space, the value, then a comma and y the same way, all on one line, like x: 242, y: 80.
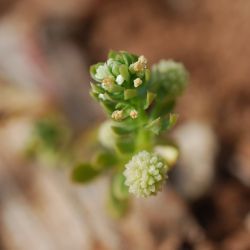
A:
x: 112, y: 88
x: 150, y: 97
x: 84, y: 173
x: 169, y: 122
x: 147, y: 75
x: 108, y: 106
x: 125, y: 58
x: 95, y: 88
x: 115, y: 69
x: 116, y: 207
x: 124, y: 72
x: 129, y: 93
x: 172, y: 119
x: 125, y: 145
x: 155, y: 126
x: 112, y: 54
x: 121, y: 130
x: 119, y: 189
x: 105, y: 160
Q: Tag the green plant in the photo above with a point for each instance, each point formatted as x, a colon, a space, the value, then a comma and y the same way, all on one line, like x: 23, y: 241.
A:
x: 139, y: 103
x: 49, y: 141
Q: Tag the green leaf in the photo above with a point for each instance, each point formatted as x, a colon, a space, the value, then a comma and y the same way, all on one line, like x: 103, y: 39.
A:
x: 94, y: 95
x: 167, y: 106
x: 125, y: 145
x: 95, y: 88
x: 129, y: 93
x: 119, y: 189
x: 124, y: 72
x: 112, y: 54
x: 125, y: 58
x: 108, y: 106
x: 172, y: 119
x: 147, y: 75
x: 121, y: 105
x: 150, y: 97
x: 121, y: 130
x: 130, y: 57
x: 116, y: 207
x: 84, y: 173
x: 93, y: 69
x: 115, y: 69
x: 160, y: 124
x: 155, y: 126
x: 112, y: 88
x: 105, y: 160
x: 169, y: 122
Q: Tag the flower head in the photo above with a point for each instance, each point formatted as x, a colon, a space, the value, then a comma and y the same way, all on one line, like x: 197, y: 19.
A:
x: 117, y: 115
x: 133, y: 114
x: 145, y: 174
x: 171, y: 76
x: 137, y: 82
x: 115, y: 84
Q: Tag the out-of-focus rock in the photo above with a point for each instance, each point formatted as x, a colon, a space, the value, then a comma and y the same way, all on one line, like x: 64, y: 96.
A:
x: 237, y: 241
x: 198, y: 147
x: 242, y: 161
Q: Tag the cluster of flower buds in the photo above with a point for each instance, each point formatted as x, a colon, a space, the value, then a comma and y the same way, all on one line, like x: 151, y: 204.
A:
x: 145, y: 174
x: 121, y: 85
x: 169, y: 77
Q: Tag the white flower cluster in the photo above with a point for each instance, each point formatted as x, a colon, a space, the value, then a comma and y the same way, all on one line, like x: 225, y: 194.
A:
x: 145, y: 174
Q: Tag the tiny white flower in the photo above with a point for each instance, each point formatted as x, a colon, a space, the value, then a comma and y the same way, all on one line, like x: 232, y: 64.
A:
x: 102, y: 97
x: 102, y: 72
x: 133, y: 114
x: 117, y: 115
x: 142, y: 60
x: 119, y: 79
x: 137, y: 82
x: 110, y: 61
x: 107, y: 82
x: 140, y: 65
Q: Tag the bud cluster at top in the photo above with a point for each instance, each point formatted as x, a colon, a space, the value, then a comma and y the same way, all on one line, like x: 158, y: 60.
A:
x: 121, y: 84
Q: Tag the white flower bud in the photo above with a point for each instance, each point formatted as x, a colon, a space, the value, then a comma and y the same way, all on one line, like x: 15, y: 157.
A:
x: 142, y: 60
x: 133, y: 114
x: 119, y: 79
x: 137, y: 82
x: 117, y: 115
x: 102, y: 97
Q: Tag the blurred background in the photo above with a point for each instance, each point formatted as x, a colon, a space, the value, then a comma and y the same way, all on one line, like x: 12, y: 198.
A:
x: 46, y: 48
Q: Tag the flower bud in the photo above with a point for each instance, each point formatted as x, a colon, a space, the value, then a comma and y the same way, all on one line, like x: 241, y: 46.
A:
x: 117, y: 115
x: 137, y: 82
x: 133, y: 114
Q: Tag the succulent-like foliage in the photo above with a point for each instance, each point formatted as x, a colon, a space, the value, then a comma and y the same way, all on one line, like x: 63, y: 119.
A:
x: 139, y: 102
x: 121, y: 85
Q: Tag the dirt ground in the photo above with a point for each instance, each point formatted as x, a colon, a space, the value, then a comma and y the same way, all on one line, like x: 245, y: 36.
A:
x: 212, y: 39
